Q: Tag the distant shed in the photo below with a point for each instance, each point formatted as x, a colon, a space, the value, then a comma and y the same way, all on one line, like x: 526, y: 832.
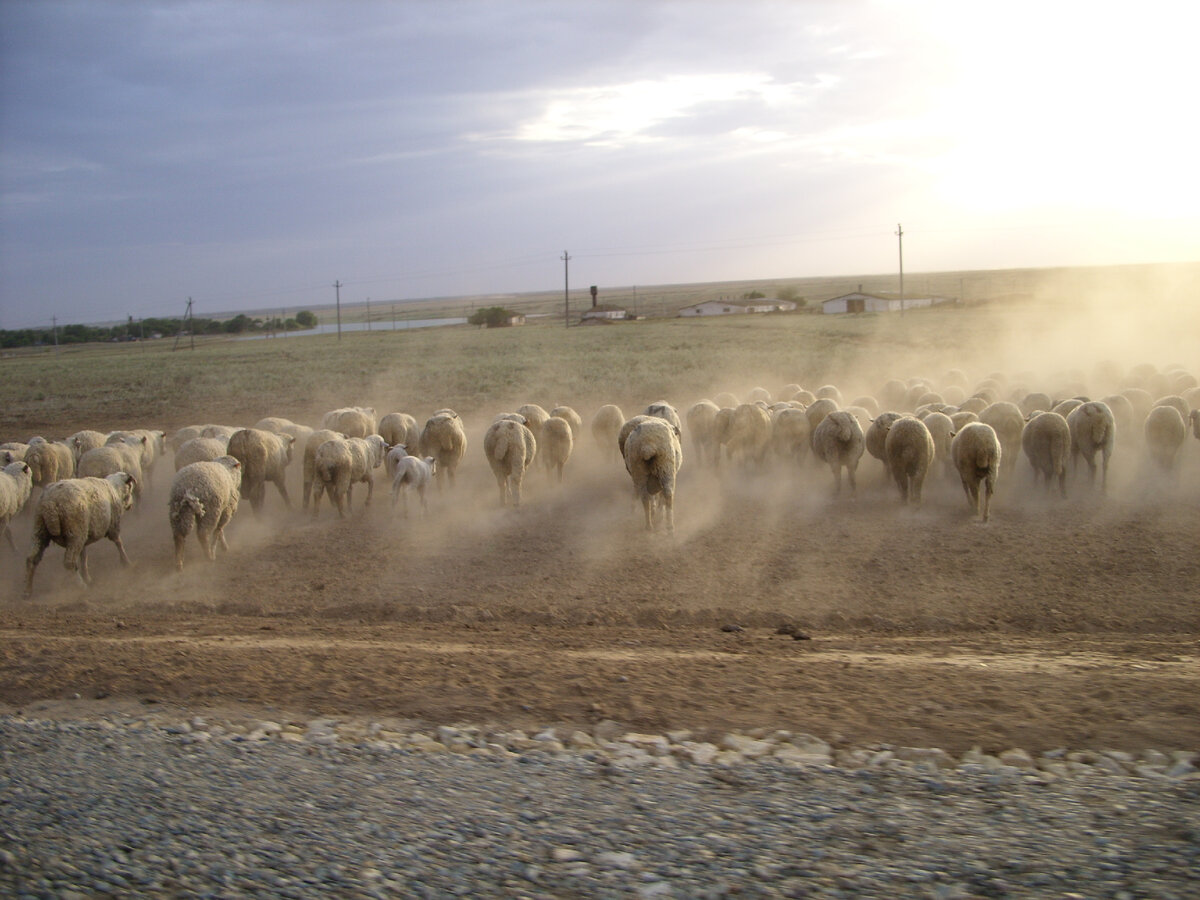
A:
x: 859, y: 302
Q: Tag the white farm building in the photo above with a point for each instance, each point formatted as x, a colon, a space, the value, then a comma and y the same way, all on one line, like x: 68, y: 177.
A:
x: 859, y: 301
x: 728, y: 308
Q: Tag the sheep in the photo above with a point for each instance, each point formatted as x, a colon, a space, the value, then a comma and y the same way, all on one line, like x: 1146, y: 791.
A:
x: 1194, y: 419
x: 119, y: 456
x: 535, y: 417
x: 315, y: 440
x: 977, y: 452
x: 204, y: 493
x: 13, y: 451
x: 510, y: 448
x: 391, y: 461
x: 1007, y: 421
x: 352, y: 421
x: 818, y: 410
x: 749, y: 434
x: 653, y: 458
x: 412, y: 473
x: 1035, y: 402
x: 791, y: 435
x: 49, y: 461
x: 264, y: 456
x: 573, y: 419
x: 556, y: 444
x: 400, y: 429
x: 1092, y: 429
x: 199, y: 450
x: 1046, y: 441
x: 224, y: 432
x: 606, y: 425
x: 875, y: 437
x: 726, y: 400
x: 1065, y: 407
x: 869, y: 403
x: 941, y: 429
x: 664, y: 410
x: 277, y: 424
x: 700, y: 419
x: 1142, y: 402
x: 340, y: 464
x: 829, y: 391
x: 16, y: 484
x: 1123, y: 415
x: 838, y: 442
x: 627, y: 429
x: 788, y: 391
x: 183, y: 435
x: 1165, y: 431
x: 83, y: 441
x: 722, y: 430
x: 75, y: 513
x: 909, y: 450
x: 1177, y: 402
x: 444, y: 439
x: 974, y: 404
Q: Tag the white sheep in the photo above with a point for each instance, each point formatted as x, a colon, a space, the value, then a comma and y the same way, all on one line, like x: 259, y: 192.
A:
x: 535, y: 418
x: 16, y: 483
x: 749, y: 435
x: 1008, y: 422
x: 1165, y: 431
x: 183, y: 435
x: 225, y: 432
x: 264, y: 456
x: 315, y: 440
x: 791, y: 435
x: 49, y: 461
x: 1093, y: 429
x: 941, y: 429
x: 556, y: 444
x: 838, y: 442
x: 1046, y: 441
x: 83, y: 441
x: 400, y: 429
x: 444, y: 439
x: 13, y: 451
x: 75, y: 513
x: 664, y: 410
x: 573, y: 419
x: 653, y: 458
x: 199, y: 450
x: 818, y: 410
x: 510, y: 448
x: 277, y: 424
x: 352, y: 421
x: 340, y: 464
x: 413, y: 474
x: 909, y: 451
x: 875, y: 437
x: 204, y: 494
x: 122, y: 455
x: 153, y: 446
x: 829, y: 392
x: 977, y: 453
x: 606, y: 425
x: 700, y: 418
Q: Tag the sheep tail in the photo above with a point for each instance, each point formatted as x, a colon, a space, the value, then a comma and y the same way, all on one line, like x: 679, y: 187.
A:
x: 501, y: 448
x: 189, y: 509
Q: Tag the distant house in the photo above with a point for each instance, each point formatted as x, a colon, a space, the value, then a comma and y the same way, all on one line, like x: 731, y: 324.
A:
x: 605, y: 312
x: 858, y: 302
x: 728, y: 308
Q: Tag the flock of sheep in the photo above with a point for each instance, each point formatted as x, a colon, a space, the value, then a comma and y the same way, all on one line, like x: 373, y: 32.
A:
x: 976, y: 435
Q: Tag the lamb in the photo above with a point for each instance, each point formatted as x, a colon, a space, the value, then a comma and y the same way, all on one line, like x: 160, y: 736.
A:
x: 791, y: 435
x: 315, y: 440
x: 1165, y: 431
x: 83, y: 441
x: 352, y: 421
x: 16, y: 484
x: 909, y: 451
x: 976, y: 450
x: 1047, y: 445
x: 573, y: 419
x: 1007, y: 421
x: 556, y: 444
x: 664, y: 410
x: 606, y: 425
x: 1092, y: 429
x: 340, y: 464
x: 264, y: 456
x: 49, y: 461
x: 75, y: 513
x: 838, y: 442
x: 510, y: 448
x: 204, y: 493
x: 400, y: 429
x: 444, y: 439
x: 412, y: 474
x: 700, y: 419
x: 653, y: 457
x: 119, y: 456
x: 200, y: 450
x: 750, y: 434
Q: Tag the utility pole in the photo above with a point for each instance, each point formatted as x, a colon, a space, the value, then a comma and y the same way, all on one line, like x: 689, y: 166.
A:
x: 900, y: 238
x: 393, y: 317
x: 283, y: 321
x: 54, y: 322
x: 337, y: 285
x: 186, y: 323
x: 566, y: 289
x: 368, y: 314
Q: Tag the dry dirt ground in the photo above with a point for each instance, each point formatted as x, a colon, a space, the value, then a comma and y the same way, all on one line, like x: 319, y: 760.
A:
x: 1069, y: 623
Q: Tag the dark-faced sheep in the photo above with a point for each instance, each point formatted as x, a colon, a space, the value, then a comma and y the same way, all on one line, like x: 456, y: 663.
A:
x: 653, y: 457
x: 75, y: 513
x: 510, y: 448
x: 977, y: 452
x: 838, y: 442
x: 204, y: 494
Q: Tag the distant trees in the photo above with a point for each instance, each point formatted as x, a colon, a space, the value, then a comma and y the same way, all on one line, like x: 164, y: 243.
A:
x: 150, y: 328
x: 306, y: 319
x: 491, y: 316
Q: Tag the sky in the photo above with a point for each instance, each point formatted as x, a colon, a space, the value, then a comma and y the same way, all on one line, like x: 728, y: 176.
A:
x: 250, y: 154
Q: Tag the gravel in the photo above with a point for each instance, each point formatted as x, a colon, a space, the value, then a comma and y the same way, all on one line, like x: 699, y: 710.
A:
x: 172, y: 804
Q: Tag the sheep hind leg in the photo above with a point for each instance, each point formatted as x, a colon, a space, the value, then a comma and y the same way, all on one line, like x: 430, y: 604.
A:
x: 41, y: 540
